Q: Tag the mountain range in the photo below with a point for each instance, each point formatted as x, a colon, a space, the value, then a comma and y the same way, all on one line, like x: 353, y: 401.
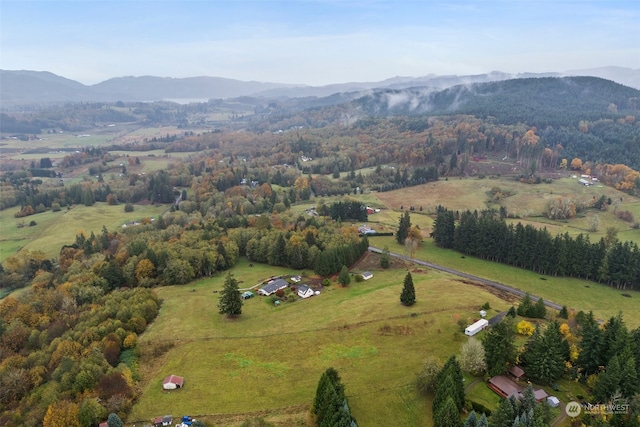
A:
x: 42, y: 87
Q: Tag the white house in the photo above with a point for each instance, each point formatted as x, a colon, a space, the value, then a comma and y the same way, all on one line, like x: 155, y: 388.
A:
x: 305, y: 291
x: 473, y: 329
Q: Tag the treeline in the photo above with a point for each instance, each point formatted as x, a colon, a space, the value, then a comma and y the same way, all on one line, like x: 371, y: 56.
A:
x: 489, y: 237
x: 353, y: 210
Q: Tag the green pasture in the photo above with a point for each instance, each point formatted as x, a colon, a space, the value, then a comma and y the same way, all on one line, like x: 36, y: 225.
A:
x: 272, y: 357
x: 55, y: 229
x: 576, y: 294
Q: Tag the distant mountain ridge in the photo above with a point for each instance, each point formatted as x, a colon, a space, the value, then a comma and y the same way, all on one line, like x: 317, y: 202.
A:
x: 42, y: 87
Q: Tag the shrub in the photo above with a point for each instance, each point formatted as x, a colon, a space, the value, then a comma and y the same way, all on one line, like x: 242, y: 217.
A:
x: 55, y: 207
x: 486, y: 306
x: 128, y: 207
x: 32, y: 223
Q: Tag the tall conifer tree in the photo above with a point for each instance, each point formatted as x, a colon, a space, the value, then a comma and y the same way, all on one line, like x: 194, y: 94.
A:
x: 408, y: 295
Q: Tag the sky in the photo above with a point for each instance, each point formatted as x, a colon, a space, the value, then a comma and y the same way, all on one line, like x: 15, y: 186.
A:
x: 315, y: 42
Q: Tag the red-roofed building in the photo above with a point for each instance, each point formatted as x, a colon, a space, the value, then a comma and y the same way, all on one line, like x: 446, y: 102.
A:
x: 172, y: 382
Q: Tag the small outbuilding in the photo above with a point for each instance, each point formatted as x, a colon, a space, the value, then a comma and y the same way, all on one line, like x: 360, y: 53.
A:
x: 172, y: 382
x: 367, y: 275
x: 304, y: 291
x: 553, y: 401
x: 476, y: 327
x: 516, y: 372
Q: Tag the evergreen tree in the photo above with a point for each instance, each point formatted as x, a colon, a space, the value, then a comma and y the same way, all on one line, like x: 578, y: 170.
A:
x: 344, y: 278
x: 544, y: 355
x: 403, y: 228
x: 539, y: 309
x: 525, y: 308
x: 385, y: 258
x: 564, y: 313
x: 472, y: 420
x: 589, y: 358
x: 230, y: 300
x: 499, y: 347
x: 505, y: 414
x: 448, y: 415
x: 408, y: 295
x: 608, y: 381
x: 113, y: 420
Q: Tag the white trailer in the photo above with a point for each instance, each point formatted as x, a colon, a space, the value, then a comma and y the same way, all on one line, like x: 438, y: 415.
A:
x: 473, y: 329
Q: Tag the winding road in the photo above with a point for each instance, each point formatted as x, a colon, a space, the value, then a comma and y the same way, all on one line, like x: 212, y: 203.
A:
x: 491, y: 283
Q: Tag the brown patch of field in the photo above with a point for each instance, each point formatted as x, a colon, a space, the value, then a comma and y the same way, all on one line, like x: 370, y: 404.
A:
x: 371, y: 262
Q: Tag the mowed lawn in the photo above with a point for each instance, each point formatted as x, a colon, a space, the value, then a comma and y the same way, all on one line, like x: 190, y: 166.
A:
x: 272, y: 357
x: 55, y: 229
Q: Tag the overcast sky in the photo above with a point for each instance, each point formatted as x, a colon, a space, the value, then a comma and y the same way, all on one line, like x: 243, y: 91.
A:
x: 314, y: 42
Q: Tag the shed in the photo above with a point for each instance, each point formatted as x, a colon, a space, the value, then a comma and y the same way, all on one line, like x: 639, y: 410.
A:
x: 272, y: 287
x: 553, y: 401
x: 476, y: 327
x: 367, y: 275
x: 540, y: 394
x: 172, y: 382
x: 304, y: 291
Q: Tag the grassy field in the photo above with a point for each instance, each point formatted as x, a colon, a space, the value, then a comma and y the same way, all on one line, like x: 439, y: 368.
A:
x: 575, y: 293
x: 55, y: 229
x: 272, y: 357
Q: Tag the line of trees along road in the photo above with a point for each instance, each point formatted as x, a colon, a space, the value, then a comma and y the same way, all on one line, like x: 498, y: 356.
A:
x: 488, y: 237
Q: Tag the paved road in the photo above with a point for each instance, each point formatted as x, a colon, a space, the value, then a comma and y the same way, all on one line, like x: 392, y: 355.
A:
x: 491, y: 283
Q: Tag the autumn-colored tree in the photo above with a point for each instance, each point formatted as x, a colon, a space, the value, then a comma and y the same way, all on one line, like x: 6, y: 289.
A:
x: 413, y: 240
x: 145, y: 269
x: 576, y: 164
x: 525, y: 328
x: 61, y: 414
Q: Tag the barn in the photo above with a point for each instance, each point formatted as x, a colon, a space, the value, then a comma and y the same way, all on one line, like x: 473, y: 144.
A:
x: 172, y: 382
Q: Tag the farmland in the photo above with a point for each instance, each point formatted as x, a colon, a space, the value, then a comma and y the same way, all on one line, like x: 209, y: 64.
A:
x: 272, y: 357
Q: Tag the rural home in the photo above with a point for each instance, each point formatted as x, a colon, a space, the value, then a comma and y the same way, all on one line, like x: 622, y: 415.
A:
x: 305, y: 291
x: 272, y: 287
x: 296, y: 279
x: 505, y: 387
x: 367, y: 275
x: 172, y: 382
x: 584, y: 182
x: 167, y: 420
x: 473, y: 329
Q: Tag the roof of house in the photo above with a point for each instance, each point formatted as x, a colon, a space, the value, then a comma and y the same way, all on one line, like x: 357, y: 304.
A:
x: 173, y: 379
x: 516, y: 371
x: 367, y: 274
x: 303, y: 288
x: 275, y: 285
x: 504, y: 386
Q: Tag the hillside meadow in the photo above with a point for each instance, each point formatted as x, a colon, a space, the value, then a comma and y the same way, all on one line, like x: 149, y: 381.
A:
x: 270, y: 358
x: 55, y: 229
